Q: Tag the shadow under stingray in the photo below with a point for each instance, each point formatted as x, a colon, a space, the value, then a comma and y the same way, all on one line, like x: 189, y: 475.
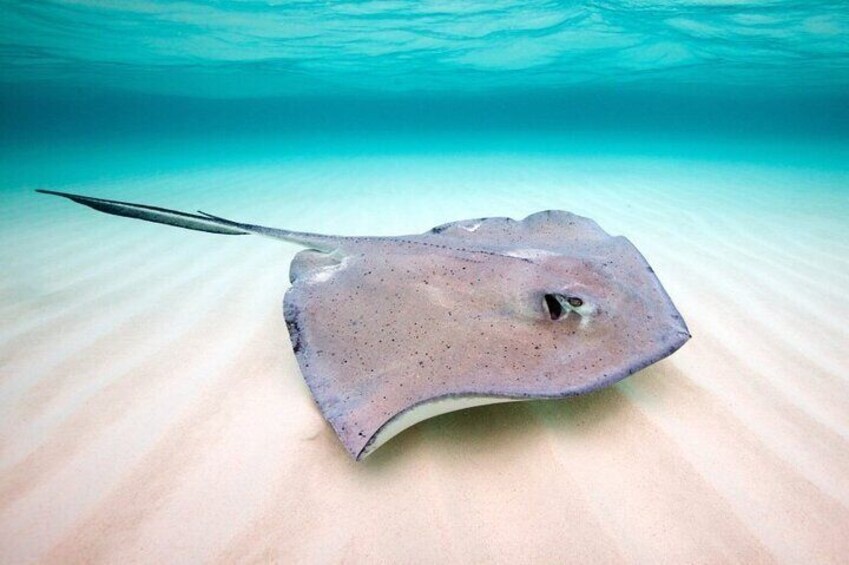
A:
x: 509, y: 428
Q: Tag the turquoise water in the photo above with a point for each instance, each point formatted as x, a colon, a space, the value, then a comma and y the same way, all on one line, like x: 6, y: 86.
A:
x: 254, y: 48
x: 158, y: 70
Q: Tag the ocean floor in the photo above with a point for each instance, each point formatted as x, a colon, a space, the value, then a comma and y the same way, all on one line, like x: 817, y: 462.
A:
x: 151, y: 408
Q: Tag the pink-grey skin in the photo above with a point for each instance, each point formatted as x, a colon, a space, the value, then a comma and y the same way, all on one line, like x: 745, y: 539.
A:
x: 547, y: 307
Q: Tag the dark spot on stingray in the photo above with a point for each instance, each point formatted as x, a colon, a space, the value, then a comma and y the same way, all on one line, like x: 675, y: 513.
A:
x: 490, y: 289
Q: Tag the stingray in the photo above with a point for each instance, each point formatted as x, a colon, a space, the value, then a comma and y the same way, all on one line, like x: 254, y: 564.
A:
x: 389, y: 331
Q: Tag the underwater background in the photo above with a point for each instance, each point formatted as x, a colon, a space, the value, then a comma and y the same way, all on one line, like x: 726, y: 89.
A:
x: 268, y: 79
x: 150, y: 405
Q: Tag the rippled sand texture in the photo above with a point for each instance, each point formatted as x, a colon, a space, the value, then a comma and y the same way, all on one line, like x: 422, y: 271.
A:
x: 152, y: 409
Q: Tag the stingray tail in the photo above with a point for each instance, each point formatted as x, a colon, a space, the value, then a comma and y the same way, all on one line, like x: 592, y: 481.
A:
x: 199, y: 222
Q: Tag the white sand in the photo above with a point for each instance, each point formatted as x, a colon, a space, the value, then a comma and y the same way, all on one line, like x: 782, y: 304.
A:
x: 151, y: 408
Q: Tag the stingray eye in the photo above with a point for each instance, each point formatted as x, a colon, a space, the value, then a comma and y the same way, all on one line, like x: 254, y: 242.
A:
x: 560, y: 305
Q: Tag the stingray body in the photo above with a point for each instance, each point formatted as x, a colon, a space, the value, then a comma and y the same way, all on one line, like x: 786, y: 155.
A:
x: 389, y: 331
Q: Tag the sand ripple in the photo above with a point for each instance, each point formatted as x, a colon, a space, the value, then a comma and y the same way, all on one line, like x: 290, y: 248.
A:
x: 152, y: 410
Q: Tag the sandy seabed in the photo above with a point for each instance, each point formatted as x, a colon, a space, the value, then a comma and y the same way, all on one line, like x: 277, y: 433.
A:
x: 151, y: 409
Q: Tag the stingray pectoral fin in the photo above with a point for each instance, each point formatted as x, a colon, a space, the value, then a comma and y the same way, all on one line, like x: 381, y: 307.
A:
x: 424, y: 411
x: 151, y: 214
